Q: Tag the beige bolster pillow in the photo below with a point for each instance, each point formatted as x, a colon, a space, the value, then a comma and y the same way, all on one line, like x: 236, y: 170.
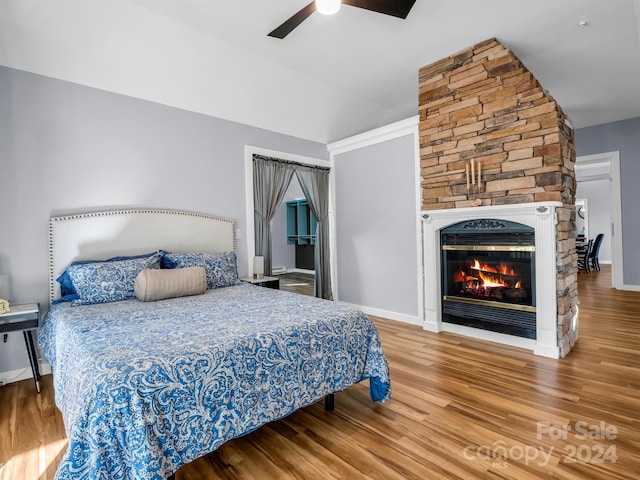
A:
x: 160, y: 284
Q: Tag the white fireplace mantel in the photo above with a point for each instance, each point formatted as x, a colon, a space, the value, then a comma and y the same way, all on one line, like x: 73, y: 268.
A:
x: 541, y: 216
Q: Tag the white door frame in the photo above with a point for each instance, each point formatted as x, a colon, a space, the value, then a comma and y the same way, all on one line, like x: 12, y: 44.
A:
x: 617, y: 263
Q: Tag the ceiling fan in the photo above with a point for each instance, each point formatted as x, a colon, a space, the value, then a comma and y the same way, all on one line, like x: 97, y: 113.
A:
x: 395, y: 8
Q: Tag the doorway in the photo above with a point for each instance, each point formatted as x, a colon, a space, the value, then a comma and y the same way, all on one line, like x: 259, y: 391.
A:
x: 250, y: 151
x: 292, y: 251
x: 604, y: 168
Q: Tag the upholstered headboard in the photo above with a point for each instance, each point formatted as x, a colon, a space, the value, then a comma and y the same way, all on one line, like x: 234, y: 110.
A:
x: 102, y: 235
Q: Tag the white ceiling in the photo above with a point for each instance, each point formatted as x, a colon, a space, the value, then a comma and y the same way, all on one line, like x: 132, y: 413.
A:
x: 332, y: 77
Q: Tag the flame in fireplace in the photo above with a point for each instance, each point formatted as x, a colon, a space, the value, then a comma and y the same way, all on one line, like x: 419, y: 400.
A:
x: 489, y: 281
x: 491, y: 276
x: 493, y: 282
x: 460, y: 277
x: 502, y: 268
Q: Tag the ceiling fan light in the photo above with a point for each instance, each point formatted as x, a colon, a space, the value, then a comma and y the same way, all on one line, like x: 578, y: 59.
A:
x: 327, y: 7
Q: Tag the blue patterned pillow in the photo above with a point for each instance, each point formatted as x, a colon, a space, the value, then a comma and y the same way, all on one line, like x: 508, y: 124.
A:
x: 103, y: 282
x: 221, y: 268
x: 68, y: 291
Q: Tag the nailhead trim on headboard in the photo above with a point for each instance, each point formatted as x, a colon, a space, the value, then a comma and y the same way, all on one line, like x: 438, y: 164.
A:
x: 62, y: 218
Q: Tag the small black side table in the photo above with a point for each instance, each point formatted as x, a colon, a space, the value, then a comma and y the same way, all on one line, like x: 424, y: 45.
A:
x: 24, y: 318
x: 269, y: 282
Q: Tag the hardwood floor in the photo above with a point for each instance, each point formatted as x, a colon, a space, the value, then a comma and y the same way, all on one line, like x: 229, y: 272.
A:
x: 461, y: 409
x: 297, y: 282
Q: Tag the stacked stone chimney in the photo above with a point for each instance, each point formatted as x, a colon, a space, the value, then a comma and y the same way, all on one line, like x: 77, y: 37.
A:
x: 482, y: 106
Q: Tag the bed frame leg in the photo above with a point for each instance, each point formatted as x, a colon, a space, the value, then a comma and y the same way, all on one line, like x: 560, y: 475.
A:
x: 329, y: 403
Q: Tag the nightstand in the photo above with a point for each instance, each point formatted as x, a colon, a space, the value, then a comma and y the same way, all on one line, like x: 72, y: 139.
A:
x: 24, y: 318
x: 269, y: 282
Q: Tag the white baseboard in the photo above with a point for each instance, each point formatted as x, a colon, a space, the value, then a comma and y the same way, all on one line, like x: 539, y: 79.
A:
x: 377, y: 312
x: 301, y: 270
x: 24, y: 373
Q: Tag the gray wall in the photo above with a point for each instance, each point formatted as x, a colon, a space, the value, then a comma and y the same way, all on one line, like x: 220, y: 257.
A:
x: 66, y: 148
x: 376, y: 226
x: 623, y: 136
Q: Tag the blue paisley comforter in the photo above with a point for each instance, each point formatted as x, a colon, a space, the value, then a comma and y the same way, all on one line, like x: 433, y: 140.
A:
x: 145, y: 388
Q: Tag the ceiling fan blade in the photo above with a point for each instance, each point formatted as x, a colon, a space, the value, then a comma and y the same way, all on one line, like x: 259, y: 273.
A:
x: 395, y: 8
x: 287, y: 27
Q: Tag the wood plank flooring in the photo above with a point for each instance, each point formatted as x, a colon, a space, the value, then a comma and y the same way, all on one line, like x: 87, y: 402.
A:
x: 297, y: 282
x: 461, y: 409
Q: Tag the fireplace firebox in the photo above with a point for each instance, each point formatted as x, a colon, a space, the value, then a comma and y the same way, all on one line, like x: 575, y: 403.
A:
x: 488, y: 276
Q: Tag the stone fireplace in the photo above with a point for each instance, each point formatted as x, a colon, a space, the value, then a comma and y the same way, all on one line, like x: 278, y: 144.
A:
x: 497, y: 153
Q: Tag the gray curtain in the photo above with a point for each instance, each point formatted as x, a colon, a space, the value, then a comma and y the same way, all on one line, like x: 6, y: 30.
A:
x: 315, y: 185
x: 271, y: 178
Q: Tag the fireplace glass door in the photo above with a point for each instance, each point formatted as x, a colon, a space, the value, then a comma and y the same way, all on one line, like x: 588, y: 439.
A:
x: 488, y: 276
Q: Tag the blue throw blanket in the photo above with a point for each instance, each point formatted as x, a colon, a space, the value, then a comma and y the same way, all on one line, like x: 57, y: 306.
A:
x: 145, y: 388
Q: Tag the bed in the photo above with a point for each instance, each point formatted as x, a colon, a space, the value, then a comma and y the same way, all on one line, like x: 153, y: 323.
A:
x: 145, y: 387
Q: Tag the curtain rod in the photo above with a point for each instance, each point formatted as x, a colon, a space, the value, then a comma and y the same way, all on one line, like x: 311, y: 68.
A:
x: 289, y: 162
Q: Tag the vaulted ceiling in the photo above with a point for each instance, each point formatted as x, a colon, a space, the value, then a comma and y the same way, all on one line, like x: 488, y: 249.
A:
x: 333, y: 76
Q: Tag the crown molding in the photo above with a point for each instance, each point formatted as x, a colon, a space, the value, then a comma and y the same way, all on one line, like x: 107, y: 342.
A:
x: 388, y: 132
